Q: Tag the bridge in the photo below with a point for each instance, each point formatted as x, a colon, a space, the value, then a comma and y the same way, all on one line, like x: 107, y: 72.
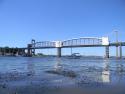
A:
x: 75, y: 42
x: 70, y: 43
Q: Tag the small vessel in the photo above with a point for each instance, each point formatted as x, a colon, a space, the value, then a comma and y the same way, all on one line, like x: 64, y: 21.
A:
x: 75, y: 56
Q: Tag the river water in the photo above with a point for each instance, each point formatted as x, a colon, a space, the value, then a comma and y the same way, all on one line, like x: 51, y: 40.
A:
x: 48, y: 75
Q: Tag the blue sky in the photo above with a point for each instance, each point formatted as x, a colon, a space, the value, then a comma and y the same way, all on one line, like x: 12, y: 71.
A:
x: 22, y: 20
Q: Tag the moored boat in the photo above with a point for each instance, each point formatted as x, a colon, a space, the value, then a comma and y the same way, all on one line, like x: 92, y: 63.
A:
x: 75, y: 56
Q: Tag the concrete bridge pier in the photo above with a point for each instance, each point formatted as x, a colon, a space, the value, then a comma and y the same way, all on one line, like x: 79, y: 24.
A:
x: 59, y: 52
x: 33, y: 45
x: 29, y: 53
x: 107, y: 51
x: 116, y: 51
x: 120, y: 50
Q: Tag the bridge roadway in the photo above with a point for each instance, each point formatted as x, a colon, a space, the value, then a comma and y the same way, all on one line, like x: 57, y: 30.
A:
x: 73, y: 46
x: 117, y: 44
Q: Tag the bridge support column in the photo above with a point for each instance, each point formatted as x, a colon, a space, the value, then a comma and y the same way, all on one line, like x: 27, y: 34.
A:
x: 33, y: 45
x: 107, y: 51
x: 29, y: 53
x: 116, y: 51
x: 59, y: 52
x: 120, y: 50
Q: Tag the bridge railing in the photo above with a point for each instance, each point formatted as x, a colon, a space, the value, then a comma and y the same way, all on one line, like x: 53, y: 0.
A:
x: 43, y: 44
x: 85, y: 41
x: 82, y: 41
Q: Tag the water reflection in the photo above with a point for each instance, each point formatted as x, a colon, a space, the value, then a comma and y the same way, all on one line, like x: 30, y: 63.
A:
x: 106, y: 72
x: 119, y: 73
x: 58, y: 65
x: 120, y: 68
x: 60, y: 70
x: 30, y: 68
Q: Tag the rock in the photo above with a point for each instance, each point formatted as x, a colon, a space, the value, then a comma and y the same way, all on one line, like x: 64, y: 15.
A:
x: 29, y: 74
x: 4, y: 86
x: 66, y: 73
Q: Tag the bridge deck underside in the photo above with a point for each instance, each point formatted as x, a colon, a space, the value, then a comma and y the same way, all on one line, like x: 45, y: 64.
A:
x: 117, y: 44
x: 73, y: 46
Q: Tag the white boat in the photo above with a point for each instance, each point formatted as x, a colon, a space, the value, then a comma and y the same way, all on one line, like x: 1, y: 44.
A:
x: 75, y: 56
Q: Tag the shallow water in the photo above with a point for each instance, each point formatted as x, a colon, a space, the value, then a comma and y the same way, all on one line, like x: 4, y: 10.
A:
x: 27, y: 74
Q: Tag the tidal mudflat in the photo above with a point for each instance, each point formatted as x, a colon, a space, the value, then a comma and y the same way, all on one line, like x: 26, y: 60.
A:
x: 51, y: 75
